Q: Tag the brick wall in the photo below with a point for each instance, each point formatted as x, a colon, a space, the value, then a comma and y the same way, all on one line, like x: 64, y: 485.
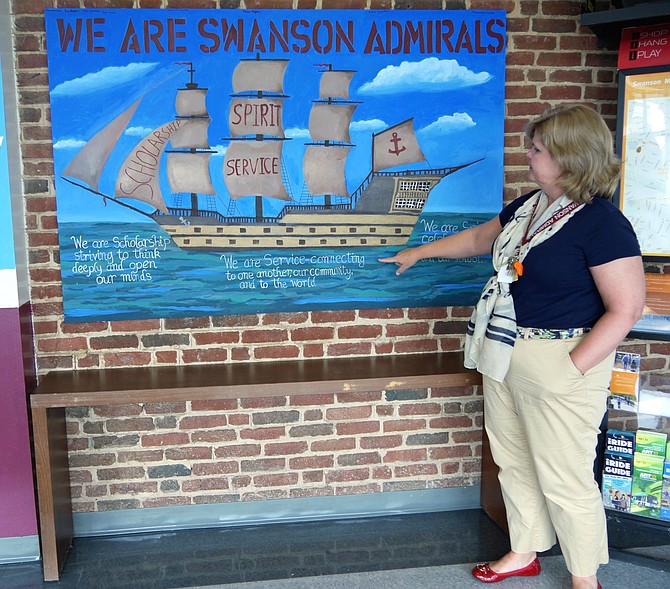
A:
x: 144, y: 455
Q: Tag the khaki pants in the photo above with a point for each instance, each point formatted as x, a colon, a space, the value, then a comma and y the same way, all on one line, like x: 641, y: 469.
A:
x: 542, y: 422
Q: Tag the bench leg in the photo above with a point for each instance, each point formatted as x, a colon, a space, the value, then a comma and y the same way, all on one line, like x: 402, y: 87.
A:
x: 53, y: 488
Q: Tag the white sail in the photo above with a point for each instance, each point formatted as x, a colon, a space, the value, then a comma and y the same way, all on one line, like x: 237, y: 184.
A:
x: 190, y: 102
x: 253, y: 168
x: 396, y: 146
x: 256, y: 116
x: 335, y: 84
x: 88, y: 164
x: 259, y: 75
x: 138, y: 176
x: 323, y: 168
x: 330, y: 121
x: 191, y: 134
x: 189, y: 172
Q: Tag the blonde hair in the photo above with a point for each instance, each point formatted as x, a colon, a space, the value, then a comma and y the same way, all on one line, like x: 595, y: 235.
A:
x: 580, y: 142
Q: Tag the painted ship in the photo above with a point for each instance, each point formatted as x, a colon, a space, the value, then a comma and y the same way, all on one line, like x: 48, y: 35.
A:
x: 382, y: 211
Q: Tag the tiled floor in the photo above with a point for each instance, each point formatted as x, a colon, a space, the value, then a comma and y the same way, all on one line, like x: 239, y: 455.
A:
x: 409, y: 551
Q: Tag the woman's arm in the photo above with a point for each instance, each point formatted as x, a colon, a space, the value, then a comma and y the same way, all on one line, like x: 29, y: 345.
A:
x: 475, y: 241
x: 622, y: 288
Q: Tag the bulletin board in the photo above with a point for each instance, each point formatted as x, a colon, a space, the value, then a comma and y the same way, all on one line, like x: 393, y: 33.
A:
x: 644, y: 140
x: 221, y: 162
x: 644, y: 196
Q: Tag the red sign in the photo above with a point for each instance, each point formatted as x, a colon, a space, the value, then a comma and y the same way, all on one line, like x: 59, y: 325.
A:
x: 644, y: 46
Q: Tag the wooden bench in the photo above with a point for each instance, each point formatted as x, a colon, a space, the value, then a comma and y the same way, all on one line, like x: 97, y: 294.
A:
x: 61, y: 389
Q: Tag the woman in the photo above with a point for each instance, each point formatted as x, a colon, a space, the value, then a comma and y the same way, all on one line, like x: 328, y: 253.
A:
x: 569, y: 286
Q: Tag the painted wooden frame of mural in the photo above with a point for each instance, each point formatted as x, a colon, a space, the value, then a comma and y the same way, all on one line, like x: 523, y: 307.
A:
x: 219, y: 162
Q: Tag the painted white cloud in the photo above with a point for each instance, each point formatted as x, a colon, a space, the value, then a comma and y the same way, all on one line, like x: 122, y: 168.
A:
x: 449, y: 124
x: 369, y: 125
x: 138, y: 131
x: 429, y: 75
x: 69, y: 144
x: 105, y: 78
x: 296, y: 132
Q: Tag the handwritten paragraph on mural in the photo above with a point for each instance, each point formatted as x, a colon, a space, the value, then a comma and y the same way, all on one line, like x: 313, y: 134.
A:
x: 121, y: 259
x: 290, y: 271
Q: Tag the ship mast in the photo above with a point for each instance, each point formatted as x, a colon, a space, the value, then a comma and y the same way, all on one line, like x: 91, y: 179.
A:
x: 329, y: 121
x: 188, y: 160
x: 253, y: 163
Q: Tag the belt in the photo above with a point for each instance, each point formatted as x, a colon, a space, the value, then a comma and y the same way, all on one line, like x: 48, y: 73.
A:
x: 539, y: 333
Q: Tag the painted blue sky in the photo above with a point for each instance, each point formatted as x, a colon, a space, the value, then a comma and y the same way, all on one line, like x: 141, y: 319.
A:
x: 455, y: 97
x: 6, y: 230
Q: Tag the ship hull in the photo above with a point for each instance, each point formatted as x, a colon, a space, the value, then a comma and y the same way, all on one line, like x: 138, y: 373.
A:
x: 295, y: 230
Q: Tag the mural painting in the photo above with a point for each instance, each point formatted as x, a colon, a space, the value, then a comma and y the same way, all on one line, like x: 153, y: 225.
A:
x: 216, y: 162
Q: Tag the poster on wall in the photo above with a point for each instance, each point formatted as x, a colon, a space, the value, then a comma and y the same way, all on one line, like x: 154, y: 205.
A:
x: 644, y: 195
x: 644, y: 107
x: 219, y: 162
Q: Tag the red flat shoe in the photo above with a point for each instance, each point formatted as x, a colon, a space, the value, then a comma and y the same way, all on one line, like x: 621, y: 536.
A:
x: 483, y: 572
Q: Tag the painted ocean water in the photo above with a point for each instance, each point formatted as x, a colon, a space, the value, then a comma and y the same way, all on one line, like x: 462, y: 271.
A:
x: 114, y: 271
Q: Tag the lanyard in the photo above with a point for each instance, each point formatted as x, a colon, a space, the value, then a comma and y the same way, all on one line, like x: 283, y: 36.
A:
x: 557, y: 216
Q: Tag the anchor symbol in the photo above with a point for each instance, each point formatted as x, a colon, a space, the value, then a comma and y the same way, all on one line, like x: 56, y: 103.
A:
x: 396, y: 140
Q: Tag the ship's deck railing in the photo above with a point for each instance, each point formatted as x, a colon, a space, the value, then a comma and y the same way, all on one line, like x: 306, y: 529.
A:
x: 216, y: 215
x: 314, y: 207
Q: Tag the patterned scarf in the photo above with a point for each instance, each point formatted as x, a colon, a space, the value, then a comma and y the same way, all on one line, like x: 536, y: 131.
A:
x: 491, y: 331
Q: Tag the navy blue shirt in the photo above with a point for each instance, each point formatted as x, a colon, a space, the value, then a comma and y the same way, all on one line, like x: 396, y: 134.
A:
x: 557, y: 290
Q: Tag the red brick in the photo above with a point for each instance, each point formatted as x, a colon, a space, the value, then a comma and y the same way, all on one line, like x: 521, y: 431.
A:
x: 311, y: 462
x: 216, y: 405
x: 342, y: 413
x: 188, y: 453
x: 215, y: 436
x: 344, y: 475
x: 204, y: 356
x: 127, y: 359
x: 170, y: 439
x: 407, y: 329
x: 215, y: 468
x: 203, y: 421
x: 337, y: 445
x: 277, y: 352
x: 415, y: 470
x: 415, y: 346
x: 221, y: 337
x: 263, y: 433
x: 314, y: 476
x: 264, y: 335
x: 322, y: 400
x: 413, y: 455
x: 303, y: 334
x: 442, y: 423
x: 133, y: 488
x: 381, y: 442
x: 359, y: 332
x: 403, y: 425
x: 285, y: 448
x: 420, y: 409
x: 349, y: 349
x: 276, y: 480
x: 207, y: 484
x: 238, y: 451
